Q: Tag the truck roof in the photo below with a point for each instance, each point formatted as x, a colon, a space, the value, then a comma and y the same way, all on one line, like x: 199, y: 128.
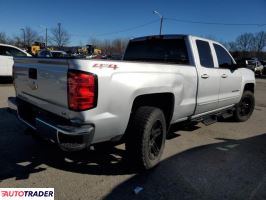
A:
x: 159, y: 36
x: 169, y: 36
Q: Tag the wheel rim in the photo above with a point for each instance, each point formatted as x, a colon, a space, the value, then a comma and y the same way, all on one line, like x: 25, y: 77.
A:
x: 156, y: 140
x: 245, y: 106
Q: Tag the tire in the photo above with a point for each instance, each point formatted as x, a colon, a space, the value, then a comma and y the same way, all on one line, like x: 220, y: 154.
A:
x: 146, y: 137
x: 245, y: 107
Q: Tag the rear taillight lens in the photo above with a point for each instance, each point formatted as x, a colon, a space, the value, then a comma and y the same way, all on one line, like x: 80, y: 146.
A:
x: 82, y: 90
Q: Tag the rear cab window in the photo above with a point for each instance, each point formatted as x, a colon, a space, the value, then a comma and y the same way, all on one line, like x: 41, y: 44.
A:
x: 159, y: 49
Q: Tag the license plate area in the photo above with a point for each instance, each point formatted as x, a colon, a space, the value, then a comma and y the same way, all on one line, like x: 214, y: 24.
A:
x: 46, y: 131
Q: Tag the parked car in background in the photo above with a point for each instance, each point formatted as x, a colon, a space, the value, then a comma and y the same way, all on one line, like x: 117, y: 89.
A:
x: 7, y: 52
x: 256, y: 66
x: 263, y: 62
x: 59, y: 54
x: 253, y: 64
x: 44, y: 53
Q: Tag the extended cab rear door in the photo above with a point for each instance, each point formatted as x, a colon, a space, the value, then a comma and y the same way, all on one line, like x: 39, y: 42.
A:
x: 208, y: 76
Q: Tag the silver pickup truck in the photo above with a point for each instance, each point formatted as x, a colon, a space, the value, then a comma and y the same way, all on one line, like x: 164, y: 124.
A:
x: 161, y: 80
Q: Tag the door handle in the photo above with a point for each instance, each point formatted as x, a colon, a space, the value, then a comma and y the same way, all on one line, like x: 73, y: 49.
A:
x: 205, y: 76
x: 224, y: 76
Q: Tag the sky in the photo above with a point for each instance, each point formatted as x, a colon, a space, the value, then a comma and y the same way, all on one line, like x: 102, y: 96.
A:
x: 85, y: 19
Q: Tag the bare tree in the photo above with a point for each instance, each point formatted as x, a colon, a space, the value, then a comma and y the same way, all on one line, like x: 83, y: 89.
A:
x: 259, y: 41
x: 110, y: 47
x: 107, y: 47
x: 17, y: 41
x: 119, y: 45
x: 3, y: 38
x: 95, y: 42
x: 245, y: 42
x: 231, y: 46
x: 31, y: 36
x: 60, y: 37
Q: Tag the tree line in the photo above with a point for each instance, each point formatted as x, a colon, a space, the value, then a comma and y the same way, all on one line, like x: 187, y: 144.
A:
x: 248, y: 45
x: 58, y: 37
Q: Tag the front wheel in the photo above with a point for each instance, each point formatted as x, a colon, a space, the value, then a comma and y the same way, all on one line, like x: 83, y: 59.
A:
x: 245, y: 107
x: 146, y: 137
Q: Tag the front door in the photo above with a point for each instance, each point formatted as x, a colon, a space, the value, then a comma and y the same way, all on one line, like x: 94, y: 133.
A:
x: 230, y: 78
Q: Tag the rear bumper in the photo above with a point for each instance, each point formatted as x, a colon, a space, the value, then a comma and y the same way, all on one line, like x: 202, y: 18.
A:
x: 69, y: 136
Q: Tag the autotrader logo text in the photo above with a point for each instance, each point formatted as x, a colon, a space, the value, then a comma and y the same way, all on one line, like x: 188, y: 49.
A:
x: 27, y: 193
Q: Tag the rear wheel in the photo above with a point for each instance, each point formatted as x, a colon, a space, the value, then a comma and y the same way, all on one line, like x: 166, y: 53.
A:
x: 146, y: 137
x: 245, y: 107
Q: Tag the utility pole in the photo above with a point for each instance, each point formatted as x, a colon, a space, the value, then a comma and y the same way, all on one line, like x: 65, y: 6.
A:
x: 45, y: 37
x: 59, y: 31
x: 46, y: 34
x: 24, y: 36
x: 161, y: 20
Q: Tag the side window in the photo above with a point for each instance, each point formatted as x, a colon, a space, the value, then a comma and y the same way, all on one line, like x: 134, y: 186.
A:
x: 10, y: 51
x: 46, y: 54
x: 16, y: 53
x: 224, y: 59
x: 205, y: 54
x: 2, y: 51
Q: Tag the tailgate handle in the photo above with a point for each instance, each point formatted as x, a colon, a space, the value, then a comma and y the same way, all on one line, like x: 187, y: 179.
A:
x: 33, y: 73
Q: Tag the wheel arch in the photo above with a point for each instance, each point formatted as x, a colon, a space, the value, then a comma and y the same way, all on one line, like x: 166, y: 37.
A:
x: 164, y: 101
x: 249, y: 87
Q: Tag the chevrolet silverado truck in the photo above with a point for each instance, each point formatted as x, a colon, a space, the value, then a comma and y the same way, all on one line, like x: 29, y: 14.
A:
x: 162, y: 80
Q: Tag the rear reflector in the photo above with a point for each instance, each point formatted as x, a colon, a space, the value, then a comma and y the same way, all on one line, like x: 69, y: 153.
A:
x: 82, y: 90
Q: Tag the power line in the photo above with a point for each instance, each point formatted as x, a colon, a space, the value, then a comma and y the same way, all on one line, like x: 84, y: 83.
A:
x: 170, y: 19
x: 214, y: 23
x: 128, y: 29
x: 119, y: 31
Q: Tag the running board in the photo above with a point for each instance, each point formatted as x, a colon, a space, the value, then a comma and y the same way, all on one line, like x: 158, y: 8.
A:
x: 212, y: 118
x: 226, y: 115
x: 209, y: 120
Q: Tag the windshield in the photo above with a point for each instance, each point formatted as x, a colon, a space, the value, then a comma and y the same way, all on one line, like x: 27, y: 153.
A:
x: 163, y: 50
x: 59, y: 54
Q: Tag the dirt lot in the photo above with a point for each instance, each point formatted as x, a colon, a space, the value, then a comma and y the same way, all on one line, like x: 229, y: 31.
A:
x: 222, y: 161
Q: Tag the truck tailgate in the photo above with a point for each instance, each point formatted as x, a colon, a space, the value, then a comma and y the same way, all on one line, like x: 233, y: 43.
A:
x: 42, y: 81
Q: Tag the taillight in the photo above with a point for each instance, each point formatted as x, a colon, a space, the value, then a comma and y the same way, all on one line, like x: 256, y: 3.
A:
x: 82, y: 90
